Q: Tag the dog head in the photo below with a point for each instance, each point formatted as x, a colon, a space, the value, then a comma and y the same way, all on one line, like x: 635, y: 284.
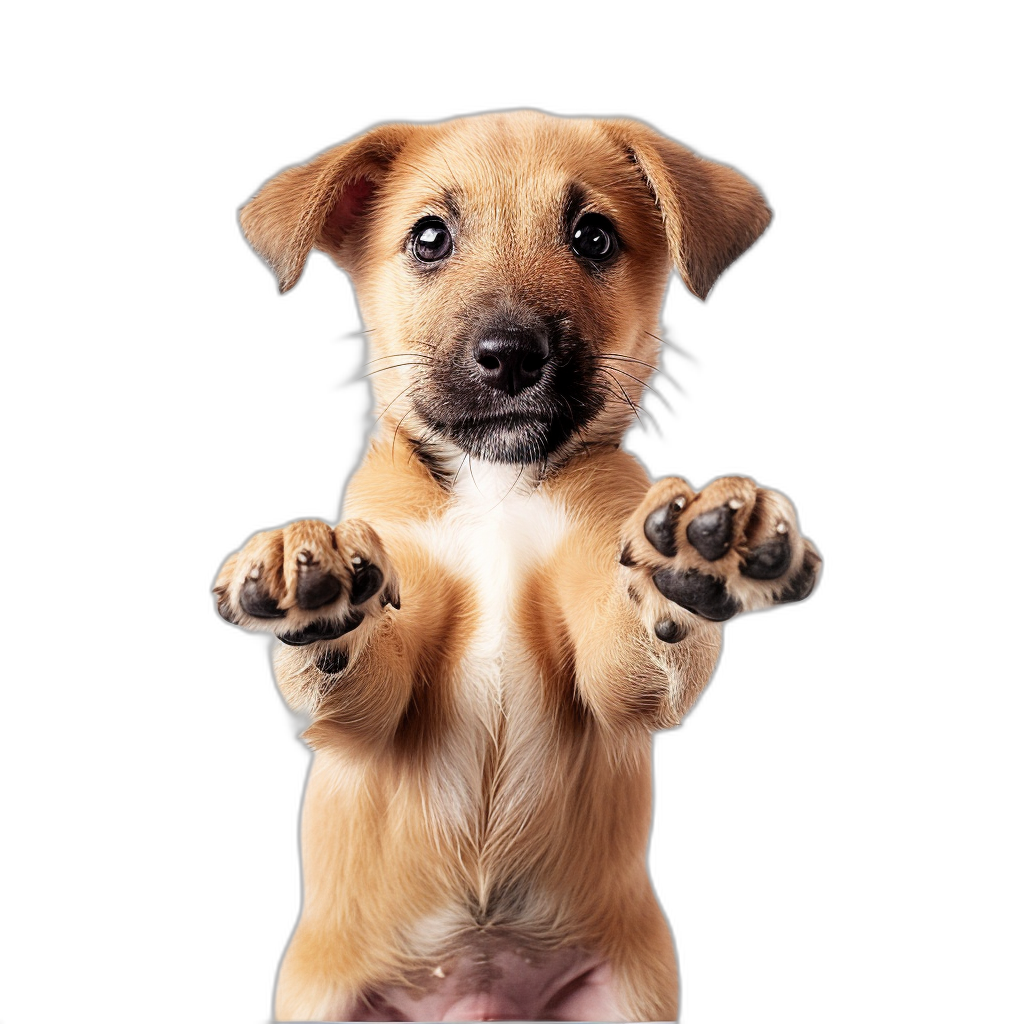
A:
x: 510, y: 267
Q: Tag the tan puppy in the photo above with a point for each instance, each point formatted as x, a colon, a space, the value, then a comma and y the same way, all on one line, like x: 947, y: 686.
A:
x: 486, y: 641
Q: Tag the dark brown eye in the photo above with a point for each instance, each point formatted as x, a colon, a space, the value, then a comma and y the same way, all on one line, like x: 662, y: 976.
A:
x: 593, y: 238
x: 431, y: 240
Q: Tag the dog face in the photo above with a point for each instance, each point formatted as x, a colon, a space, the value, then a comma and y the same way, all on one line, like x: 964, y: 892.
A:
x: 510, y: 268
x: 524, y: 258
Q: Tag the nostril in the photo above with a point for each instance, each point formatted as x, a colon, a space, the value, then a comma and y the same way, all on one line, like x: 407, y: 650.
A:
x: 511, y: 360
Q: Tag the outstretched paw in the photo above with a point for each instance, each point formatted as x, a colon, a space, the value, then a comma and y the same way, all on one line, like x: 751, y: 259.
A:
x: 732, y: 547
x: 309, y: 583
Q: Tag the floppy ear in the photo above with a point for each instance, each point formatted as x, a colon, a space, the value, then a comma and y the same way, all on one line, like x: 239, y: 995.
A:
x: 318, y: 205
x: 712, y: 214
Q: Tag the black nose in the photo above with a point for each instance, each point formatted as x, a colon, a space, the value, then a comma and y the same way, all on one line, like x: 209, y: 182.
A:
x: 512, y: 360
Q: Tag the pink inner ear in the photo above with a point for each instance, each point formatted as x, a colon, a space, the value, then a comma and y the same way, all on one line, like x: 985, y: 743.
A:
x: 355, y: 197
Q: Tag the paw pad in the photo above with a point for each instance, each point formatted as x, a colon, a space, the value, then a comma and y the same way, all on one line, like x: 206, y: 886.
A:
x: 256, y: 600
x: 770, y: 560
x: 367, y: 579
x: 315, y: 587
x: 670, y: 631
x: 660, y: 527
x: 322, y: 629
x: 711, y: 532
x: 698, y: 593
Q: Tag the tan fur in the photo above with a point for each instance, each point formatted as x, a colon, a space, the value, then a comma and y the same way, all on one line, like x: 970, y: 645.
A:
x: 483, y: 764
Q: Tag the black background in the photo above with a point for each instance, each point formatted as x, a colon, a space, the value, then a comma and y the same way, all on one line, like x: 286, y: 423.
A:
x: 748, y: 849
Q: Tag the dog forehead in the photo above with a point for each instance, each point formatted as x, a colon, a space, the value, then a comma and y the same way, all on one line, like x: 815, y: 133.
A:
x: 507, y: 161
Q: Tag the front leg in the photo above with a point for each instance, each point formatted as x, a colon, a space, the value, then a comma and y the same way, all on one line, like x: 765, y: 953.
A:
x: 693, y: 560
x: 643, y: 607
x: 322, y: 591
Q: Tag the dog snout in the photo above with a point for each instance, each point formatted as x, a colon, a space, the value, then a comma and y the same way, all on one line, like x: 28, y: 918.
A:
x: 512, y: 360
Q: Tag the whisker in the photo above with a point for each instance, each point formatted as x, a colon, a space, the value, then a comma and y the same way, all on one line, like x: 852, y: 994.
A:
x: 390, y: 355
x: 629, y: 401
x: 662, y: 374
x: 423, y: 442
x: 399, y: 355
x: 394, y: 366
x: 674, y: 346
x: 637, y: 410
x: 510, y: 490
x: 397, y: 366
x: 350, y: 381
x: 392, y: 402
x: 654, y: 391
x: 619, y: 384
x: 652, y: 421
x: 355, y: 335
x: 627, y: 359
x: 459, y: 470
x: 576, y: 428
x: 398, y: 426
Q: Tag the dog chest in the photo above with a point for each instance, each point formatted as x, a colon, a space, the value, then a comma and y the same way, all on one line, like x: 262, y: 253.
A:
x: 498, y: 529
x: 487, y: 769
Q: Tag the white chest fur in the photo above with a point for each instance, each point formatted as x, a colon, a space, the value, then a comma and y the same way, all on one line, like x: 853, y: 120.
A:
x: 497, y: 530
x: 500, y: 526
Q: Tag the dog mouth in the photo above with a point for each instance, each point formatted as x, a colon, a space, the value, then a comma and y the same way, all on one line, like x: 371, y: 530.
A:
x: 512, y: 391
x: 528, y: 426
x: 513, y: 438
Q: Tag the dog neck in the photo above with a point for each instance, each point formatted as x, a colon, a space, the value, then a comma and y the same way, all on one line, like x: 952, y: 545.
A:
x: 471, y: 477
x: 459, y: 472
x: 477, y: 481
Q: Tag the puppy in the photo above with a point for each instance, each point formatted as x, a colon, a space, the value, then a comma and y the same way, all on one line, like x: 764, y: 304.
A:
x: 509, y: 607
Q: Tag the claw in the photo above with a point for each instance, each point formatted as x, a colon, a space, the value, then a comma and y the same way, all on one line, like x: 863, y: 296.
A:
x: 224, y: 607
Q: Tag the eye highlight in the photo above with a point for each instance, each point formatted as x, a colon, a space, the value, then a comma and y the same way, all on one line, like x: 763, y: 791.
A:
x: 431, y: 240
x: 594, y: 238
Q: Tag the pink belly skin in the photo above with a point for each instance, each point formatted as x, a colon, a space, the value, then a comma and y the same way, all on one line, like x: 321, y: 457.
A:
x: 501, y: 984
